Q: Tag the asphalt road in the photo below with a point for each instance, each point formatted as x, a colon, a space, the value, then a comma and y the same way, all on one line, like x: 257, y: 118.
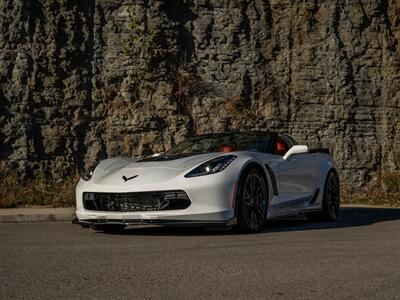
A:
x: 357, y: 257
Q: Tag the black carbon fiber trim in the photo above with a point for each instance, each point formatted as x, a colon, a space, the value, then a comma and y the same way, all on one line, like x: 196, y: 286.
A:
x: 88, y: 222
x: 314, y: 198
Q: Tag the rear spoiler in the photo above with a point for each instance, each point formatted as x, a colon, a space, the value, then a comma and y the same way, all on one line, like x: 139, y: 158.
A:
x: 319, y: 150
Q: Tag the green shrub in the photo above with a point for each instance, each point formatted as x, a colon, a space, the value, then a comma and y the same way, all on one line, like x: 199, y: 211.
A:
x: 385, y: 191
x: 391, y: 182
x: 43, y: 191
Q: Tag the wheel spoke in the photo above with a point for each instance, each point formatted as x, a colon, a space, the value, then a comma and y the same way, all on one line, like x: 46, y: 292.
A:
x: 260, y: 213
x: 248, y: 189
x: 258, y: 189
x: 247, y: 198
x: 251, y: 213
x: 255, y: 181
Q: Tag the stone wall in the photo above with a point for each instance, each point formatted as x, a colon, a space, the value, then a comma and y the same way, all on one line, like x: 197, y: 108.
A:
x: 83, y: 80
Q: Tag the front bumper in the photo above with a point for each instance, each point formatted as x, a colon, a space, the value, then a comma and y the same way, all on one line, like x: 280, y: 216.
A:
x: 211, y: 200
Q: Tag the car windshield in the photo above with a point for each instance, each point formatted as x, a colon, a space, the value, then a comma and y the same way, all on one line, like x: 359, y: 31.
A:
x: 222, y: 143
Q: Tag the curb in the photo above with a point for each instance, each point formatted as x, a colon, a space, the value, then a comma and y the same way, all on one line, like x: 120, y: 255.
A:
x: 36, y: 215
x: 45, y: 215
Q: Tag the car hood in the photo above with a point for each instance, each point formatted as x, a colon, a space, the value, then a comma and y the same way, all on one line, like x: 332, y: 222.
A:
x: 111, y: 171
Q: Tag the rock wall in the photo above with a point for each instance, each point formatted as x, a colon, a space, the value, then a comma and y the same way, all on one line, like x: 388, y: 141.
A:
x: 82, y: 80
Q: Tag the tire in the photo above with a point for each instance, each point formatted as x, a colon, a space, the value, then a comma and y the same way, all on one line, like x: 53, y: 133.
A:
x: 252, y: 201
x: 330, y: 201
x: 108, y: 228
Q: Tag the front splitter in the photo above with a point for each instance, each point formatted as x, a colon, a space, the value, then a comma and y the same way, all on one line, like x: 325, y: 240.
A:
x: 189, y: 223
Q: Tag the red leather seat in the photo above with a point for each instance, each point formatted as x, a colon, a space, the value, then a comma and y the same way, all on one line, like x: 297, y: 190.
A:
x: 280, y: 148
x: 227, y: 148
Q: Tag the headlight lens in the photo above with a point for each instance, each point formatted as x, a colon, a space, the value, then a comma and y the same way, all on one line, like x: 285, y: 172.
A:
x: 212, y: 166
x: 89, y: 172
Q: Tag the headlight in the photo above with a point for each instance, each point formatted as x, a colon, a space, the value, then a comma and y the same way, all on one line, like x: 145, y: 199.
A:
x: 212, y: 166
x: 89, y: 172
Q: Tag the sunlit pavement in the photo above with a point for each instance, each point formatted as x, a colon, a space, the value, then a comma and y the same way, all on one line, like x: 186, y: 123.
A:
x: 356, y: 257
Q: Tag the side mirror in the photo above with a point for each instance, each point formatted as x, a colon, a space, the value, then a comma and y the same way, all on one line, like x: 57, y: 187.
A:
x: 296, y: 149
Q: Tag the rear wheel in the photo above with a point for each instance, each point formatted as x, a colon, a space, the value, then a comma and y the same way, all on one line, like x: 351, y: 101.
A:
x: 252, y: 202
x: 108, y: 228
x: 330, y: 202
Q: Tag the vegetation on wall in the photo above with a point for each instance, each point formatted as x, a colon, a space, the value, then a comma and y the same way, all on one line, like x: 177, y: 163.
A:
x: 186, y: 86
x: 145, y: 45
x: 384, y: 190
x: 16, y: 191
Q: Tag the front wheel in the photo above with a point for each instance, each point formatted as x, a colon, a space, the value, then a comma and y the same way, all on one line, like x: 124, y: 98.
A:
x: 252, y: 202
x: 330, y: 202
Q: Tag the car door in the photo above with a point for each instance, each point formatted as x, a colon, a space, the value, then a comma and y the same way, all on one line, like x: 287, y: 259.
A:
x: 294, y: 177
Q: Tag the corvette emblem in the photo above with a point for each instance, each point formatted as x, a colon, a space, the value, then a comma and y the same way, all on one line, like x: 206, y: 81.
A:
x: 129, y: 178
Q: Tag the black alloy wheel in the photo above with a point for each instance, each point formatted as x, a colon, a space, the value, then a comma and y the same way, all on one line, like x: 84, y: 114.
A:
x: 332, y: 196
x: 330, y: 202
x: 252, y: 204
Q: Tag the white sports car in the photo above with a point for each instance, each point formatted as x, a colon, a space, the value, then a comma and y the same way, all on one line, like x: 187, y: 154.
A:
x: 226, y: 179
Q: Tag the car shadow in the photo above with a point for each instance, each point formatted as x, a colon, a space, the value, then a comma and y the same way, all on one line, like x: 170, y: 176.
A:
x: 349, y: 217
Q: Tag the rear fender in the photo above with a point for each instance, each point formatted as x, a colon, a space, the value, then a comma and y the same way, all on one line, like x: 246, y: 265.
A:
x: 327, y: 165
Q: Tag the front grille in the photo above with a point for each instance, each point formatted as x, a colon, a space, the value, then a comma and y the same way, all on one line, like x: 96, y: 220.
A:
x: 140, y: 201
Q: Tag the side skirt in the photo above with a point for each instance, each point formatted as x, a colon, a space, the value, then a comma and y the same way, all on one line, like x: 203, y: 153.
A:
x: 299, y: 205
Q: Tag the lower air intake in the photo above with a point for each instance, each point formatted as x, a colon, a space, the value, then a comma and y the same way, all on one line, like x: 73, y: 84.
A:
x: 138, y: 201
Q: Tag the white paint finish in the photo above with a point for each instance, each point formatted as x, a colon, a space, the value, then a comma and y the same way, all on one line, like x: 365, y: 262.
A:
x: 297, y: 177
